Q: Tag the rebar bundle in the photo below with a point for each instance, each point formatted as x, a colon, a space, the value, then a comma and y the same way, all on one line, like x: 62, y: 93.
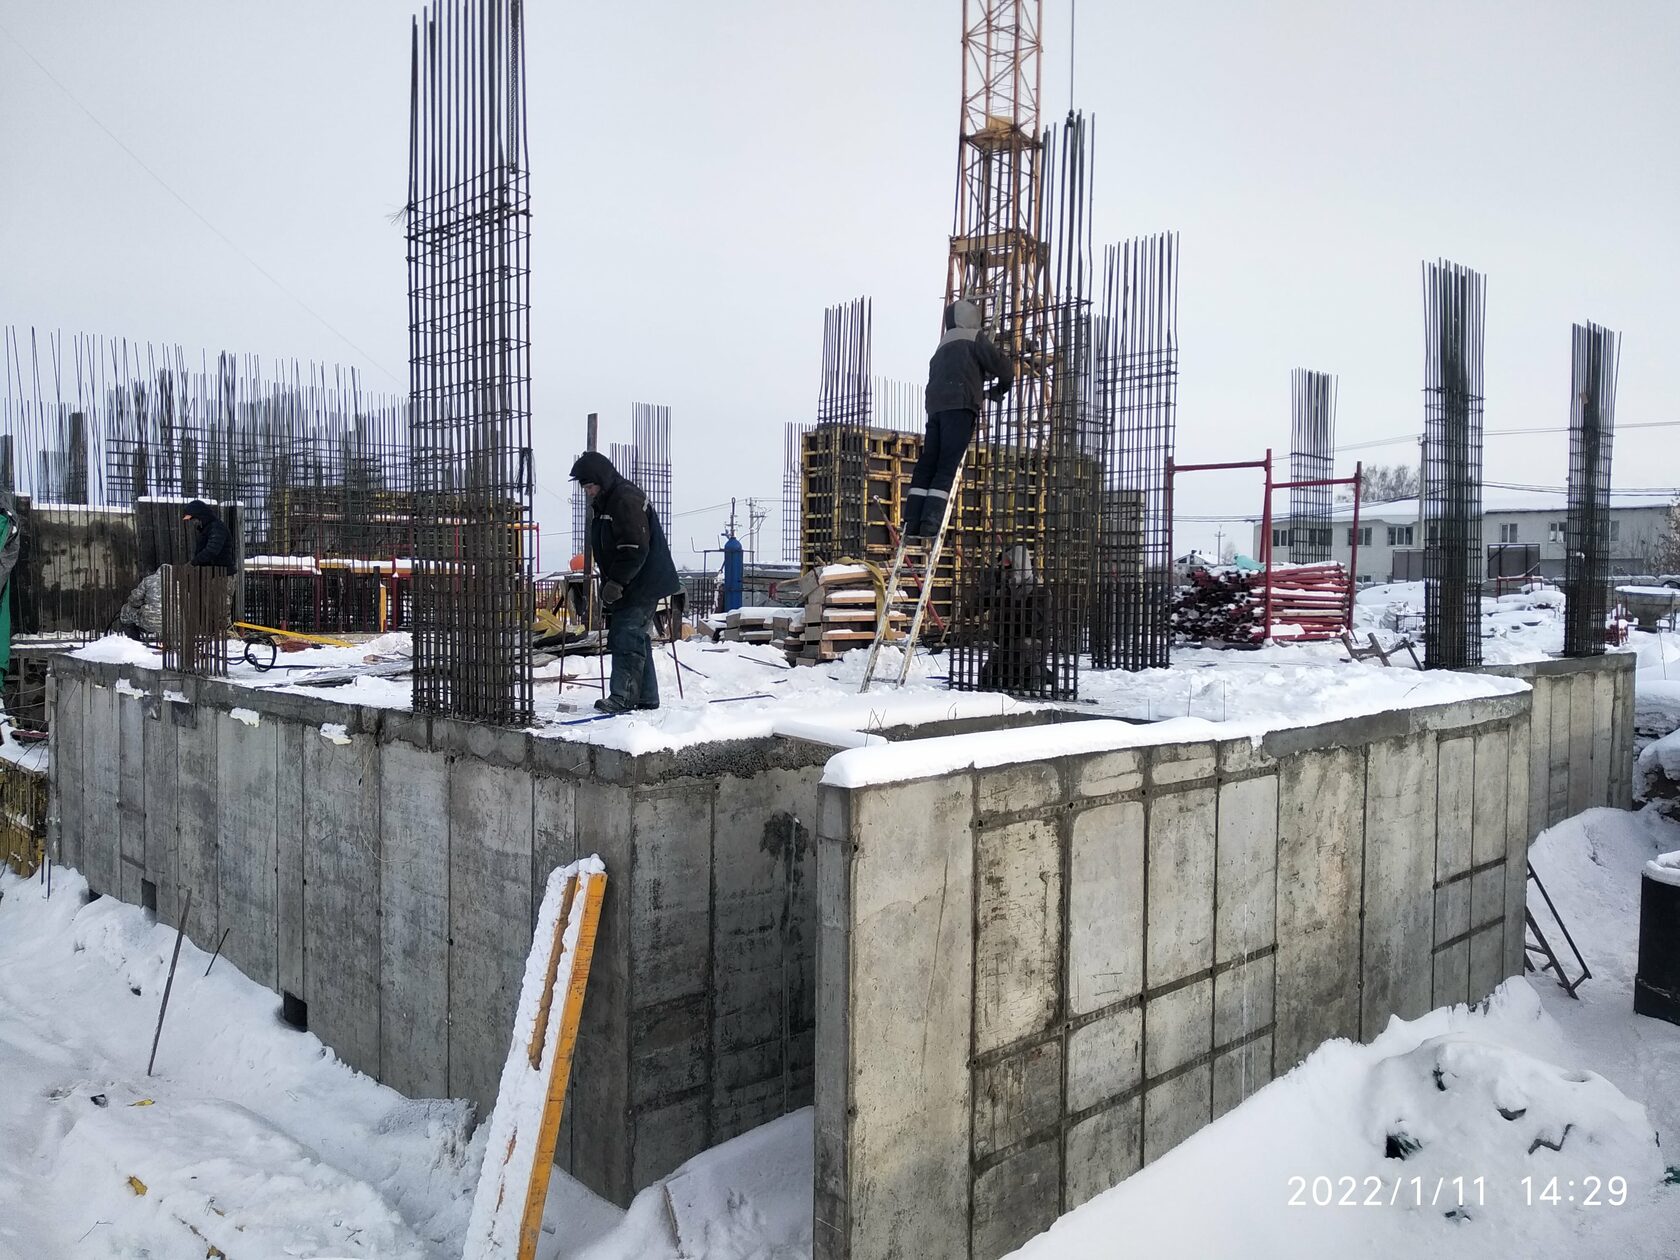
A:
x: 793, y: 491
x: 835, y: 514
x: 1592, y: 424
x: 317, y: 465
x: 1037, y: 457
x: 1313, y: 430
x: 106, y: 438
x: 469, y: 361
x: 196, y: 604
x: 1137, y: 390
x: 650, y: 431
x: 79, y: 559
x: 1455, y: 306
x: 580, y: 518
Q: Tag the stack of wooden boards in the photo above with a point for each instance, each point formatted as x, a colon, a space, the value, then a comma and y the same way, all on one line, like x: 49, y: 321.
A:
x: 758, y: 625
x: 1309, y: 602
x: 841, y: 607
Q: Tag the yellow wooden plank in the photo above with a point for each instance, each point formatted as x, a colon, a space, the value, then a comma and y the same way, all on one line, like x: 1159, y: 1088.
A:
x: 560, y: 1070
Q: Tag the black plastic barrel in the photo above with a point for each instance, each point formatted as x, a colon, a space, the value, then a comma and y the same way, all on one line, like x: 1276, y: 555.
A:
x: 1656, y: 987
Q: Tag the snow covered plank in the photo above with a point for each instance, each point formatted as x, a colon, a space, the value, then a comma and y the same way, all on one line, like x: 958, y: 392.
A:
x: 507, y: 1209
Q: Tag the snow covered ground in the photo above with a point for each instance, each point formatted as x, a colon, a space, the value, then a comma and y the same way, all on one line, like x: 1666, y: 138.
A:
x: 258, y: 1139
x: 1521, y: 626
x: 254, y: 1138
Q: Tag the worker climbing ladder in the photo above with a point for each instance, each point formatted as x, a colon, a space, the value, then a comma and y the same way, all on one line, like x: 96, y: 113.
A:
x: 888, y: 600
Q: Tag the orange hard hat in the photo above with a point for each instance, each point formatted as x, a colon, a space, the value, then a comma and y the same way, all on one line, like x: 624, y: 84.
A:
x: 577, y: 564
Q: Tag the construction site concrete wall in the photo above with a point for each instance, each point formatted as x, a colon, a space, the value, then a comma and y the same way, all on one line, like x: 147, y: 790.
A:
x: 387, y: 875
x: 1041, y: 970
x: 1581, y: 734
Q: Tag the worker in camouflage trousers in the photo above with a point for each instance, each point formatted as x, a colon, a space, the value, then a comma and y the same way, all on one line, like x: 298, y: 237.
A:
x: 963, y: 362
x: 636, y: 570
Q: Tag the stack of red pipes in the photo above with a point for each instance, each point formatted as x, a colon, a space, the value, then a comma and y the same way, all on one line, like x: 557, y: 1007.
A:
x: 1309, y: 601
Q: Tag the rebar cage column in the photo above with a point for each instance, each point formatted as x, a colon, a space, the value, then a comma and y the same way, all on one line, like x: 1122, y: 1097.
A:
x: 469, y: 361
x: 1455, y: 310
x: 1137, y: 384
x: 1027, y: 562
x: 1312, y: 428
x: 1592, y: 423
x: 834, y: 515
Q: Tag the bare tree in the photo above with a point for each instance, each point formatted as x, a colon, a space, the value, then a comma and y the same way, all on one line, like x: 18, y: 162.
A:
x: 1667, y: 554
x: 1386, y: 483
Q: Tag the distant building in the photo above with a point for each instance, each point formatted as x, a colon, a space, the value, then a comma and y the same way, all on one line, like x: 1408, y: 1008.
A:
x: 1521, y: 533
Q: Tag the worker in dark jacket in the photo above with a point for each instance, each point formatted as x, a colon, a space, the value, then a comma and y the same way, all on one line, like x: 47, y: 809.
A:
x: 636, y: 571
x: 956, y: 392
x: 215, y: 544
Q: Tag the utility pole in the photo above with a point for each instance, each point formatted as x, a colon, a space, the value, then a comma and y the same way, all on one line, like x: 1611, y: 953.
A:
x: 756, y: 516
x: 1219, y: 545
x: 593, y: 619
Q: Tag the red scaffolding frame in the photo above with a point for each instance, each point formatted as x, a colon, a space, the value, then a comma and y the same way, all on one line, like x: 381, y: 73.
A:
x: 1271, y: 487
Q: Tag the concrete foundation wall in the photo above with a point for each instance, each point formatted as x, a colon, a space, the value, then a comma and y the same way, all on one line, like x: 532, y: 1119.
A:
x: 391, y: 883
x: 1039, y: 977
x: 1033, y: 978
x: 1581, y: 736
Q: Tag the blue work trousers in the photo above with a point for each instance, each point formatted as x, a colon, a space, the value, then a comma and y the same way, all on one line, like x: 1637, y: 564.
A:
x: 635, y: 682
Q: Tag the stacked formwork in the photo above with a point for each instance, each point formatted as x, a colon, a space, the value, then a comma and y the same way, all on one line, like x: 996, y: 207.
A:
x: 1592, y: 423
x: 883, y: 477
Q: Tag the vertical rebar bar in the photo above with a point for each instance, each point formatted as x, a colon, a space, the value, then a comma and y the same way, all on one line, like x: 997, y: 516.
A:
x: 1592, y: 424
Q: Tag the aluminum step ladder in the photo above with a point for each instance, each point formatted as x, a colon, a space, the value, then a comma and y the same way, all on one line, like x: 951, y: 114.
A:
x: 889, y: 601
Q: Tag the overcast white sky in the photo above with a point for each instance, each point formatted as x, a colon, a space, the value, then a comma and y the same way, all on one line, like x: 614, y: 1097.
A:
x: 708, y: 176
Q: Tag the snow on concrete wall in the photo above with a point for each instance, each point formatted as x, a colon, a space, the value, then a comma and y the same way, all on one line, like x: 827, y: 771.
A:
x: 1041, y: 976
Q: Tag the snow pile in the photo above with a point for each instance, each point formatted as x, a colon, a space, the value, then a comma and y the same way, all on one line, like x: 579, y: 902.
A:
x: 1656, y: 707
x: 1656, y: 775
x: 1523, y: 625
x: 1456, y: 1103
x: 748, y: 1199
x: 119, y: 649
x: 1281, y: 685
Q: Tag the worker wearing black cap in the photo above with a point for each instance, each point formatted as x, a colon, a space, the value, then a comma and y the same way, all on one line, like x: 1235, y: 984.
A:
x: 636, y: 570
x: 215, y: 543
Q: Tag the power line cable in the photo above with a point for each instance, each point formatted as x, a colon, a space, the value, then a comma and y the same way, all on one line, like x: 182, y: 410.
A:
x: 193, y: 210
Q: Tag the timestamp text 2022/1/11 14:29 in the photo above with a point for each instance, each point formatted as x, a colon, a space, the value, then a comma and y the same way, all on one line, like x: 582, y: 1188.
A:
x: 1449, y: 1192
